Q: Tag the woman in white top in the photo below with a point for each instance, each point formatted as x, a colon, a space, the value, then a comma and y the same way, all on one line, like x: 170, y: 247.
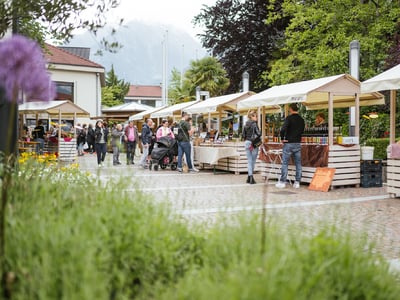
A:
x: 164, y: 130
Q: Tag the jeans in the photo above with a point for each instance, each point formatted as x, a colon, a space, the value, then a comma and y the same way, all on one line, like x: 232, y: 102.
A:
x: 290, y: 149
x: 40, y: 146
x: 251, y: 154
x: 130, y: 151
x: 184, y: 148
x: 115, y: 154
x: 101, y: 150
x: 143, y: 160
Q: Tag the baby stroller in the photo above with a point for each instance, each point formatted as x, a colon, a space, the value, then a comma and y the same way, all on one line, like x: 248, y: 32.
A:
x: 164, y: 154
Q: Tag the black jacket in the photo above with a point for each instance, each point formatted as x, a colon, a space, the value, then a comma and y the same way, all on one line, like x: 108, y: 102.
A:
x: 250, y: 128
x: 292, y: 129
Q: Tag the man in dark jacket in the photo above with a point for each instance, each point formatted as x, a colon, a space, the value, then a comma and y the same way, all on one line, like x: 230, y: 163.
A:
x: 147, y: 135
x: 291, y: 133
x: 183, y: 137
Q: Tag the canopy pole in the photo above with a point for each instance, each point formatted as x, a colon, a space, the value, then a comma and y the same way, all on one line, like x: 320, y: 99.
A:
x: 209, y: 121
x: 59, y: 135
x: 357, y: 115
x: 330, y: 119
x: 392, y: 137
x: 263, y: 124
x: 219, y: 122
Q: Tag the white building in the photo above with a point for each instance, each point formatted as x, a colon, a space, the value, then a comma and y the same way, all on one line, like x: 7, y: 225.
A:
x: 77, y: 79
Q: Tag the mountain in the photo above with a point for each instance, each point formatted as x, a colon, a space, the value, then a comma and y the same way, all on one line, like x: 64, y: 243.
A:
x: 140, y: 60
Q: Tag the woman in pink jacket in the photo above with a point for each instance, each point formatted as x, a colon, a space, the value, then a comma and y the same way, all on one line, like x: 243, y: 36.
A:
x: 164, y: 130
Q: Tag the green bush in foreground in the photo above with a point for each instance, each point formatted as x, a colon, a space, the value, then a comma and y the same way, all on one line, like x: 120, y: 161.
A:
x: 68, y: 237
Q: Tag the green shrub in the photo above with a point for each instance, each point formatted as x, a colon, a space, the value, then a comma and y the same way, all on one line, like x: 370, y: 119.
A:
x: 380, y: 150
x: 326, y: 265
x: 70, y: 238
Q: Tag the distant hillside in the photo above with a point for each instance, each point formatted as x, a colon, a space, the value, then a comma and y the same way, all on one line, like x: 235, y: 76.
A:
x: 140, y: 59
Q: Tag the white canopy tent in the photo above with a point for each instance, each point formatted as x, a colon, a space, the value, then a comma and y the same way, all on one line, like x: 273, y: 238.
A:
x: 388, y: 80
x: 53, y: 108
x: 328, y: 92
x: 145, y: 114
x: 172, y: 110
x: 314, y: 94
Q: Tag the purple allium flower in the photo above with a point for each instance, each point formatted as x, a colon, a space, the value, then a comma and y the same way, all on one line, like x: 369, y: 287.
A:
x: 23, y: 70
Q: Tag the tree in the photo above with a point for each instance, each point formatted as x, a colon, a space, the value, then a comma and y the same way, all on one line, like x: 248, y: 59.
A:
x: 179, y: 90
x: 59, y: 18
x: 207, y: 73
x: 115, y: 90
x: 236, y: 33
x: 319, y: 33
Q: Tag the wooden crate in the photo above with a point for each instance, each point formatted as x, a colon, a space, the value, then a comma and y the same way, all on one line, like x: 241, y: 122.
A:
x: 393, y: 177
x: 67, y: 150
x: 346, y: 161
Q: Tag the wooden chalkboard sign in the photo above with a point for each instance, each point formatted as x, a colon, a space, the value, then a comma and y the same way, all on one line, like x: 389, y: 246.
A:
x: 322, y: 179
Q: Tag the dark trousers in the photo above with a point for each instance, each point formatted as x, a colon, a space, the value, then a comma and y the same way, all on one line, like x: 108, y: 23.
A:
x: 130, y: 151
x: 101, y: 150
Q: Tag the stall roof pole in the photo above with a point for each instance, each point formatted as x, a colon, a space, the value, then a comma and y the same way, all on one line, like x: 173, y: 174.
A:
x: 392, y: 137
x: 357, y: 115
x: 263, y: 124
x: 59, y: 134
x: 330, y: 119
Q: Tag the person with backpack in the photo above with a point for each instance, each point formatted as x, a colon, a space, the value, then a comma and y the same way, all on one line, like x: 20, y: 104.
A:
x: 81, y: 139
x: 147, y: 136
x: 90, y: 139
x: 183, y: 137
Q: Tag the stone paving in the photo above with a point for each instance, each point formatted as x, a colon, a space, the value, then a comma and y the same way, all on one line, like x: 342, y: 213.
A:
x: 204, y: 197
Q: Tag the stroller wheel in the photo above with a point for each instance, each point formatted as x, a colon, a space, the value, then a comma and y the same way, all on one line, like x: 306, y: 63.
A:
x: 155, y: 167
x: 173, y: 167
x: 163, y: 166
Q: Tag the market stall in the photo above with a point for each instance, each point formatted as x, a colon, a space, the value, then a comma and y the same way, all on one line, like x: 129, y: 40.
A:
x: 328, y: 92
x: 389, y: 80
x: 64, y: 147
x: 173, y: 111
x: 220, y: 154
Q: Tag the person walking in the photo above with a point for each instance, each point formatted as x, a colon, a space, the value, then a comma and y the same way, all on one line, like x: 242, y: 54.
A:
x: 291, y: 133
x: 38, y: 134
x: 90, y: 139
x: 147, y: 135
x: 116, y: 142
x: 249, y: 133
x: 131, y: 137
x: 81, y: 140
x: 101, y: 136
x: 184, y: 147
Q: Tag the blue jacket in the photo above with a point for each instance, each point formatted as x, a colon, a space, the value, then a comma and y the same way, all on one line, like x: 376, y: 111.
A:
x: 146, y: 134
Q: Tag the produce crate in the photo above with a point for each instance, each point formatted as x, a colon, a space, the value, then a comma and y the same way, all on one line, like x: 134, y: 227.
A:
x: 371, y: 180
x: 371, y: 166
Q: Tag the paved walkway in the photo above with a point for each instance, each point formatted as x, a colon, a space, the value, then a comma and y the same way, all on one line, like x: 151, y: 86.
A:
x: 204, y: 197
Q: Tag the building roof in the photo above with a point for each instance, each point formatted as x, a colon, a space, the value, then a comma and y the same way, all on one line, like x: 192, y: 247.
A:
x: 83, y: 52
x: 55, y: 55
x: 148, y: 91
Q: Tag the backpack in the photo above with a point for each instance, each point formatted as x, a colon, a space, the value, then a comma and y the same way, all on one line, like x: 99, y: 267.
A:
x: 181, y: 134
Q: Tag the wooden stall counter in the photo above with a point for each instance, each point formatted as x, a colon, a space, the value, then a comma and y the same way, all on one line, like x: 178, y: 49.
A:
x: 344, y: 158
x: 228, y: 156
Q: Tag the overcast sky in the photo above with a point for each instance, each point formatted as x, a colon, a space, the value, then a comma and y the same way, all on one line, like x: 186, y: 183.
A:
x: 175, y: 12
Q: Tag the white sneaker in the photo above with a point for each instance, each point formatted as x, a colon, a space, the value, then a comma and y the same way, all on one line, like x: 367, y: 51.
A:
x: 296, y: 185
x: 280, y: 185
x: 194, y: 170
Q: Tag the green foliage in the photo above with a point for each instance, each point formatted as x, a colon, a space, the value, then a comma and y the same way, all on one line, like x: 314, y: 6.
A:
x: 68, y: 237
x: 207, y: 73
x: 325, y: 265
x: 115, y: 90
x: 373, y: 128
x: 236, y: 33
x: 319, y: 33
x: 380, y: 147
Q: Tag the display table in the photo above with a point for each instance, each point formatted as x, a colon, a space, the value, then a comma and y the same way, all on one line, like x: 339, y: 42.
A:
x: 345, y: 159
x: 229, y: 156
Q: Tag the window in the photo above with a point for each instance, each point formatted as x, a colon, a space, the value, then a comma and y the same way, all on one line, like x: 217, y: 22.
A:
x: 65, y: 91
